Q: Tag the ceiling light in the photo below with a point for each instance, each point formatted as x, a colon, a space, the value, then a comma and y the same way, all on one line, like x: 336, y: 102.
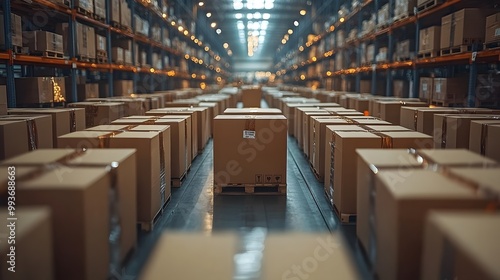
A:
x: 249, y: 16
x: 238, y: 16
x: 283, y: 41
x: 290, y: 31
x: 213, y: 24
x: 209, y: 15
x: 201, y: 4
x: 257, y: 15
x: 266, y: 16
x: 342, y: 19
x: 225, y: 45
x: 186, y: 32
x: 192, y: 37
x: 207, y: 49
x: 237, y: 5
x: 196, y: 41
x: 218, y: 31
x: 296, y: 23
x: 240, y: 25
x: 180, y: 28
x: 302, y: 12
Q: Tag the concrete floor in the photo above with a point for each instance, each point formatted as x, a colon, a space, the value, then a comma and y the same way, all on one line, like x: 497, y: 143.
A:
x: 194, y: 208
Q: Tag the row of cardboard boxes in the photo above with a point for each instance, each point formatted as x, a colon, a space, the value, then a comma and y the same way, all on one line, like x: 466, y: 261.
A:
x: 122, y: 166
x: 386, y: 178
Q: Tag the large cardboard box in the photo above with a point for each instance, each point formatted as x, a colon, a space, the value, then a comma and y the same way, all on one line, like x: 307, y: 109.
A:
x: 304, y: 141
x: 147, y: 147
x: 400, y: 210
x: 430, y: 39
x: 421, y: 119
x: 213, y: 111
x: 452, y: 131
x: 471, y: 237
x: 125, y: 14
x: 401, y: 88
x: 242, y: 145
x: 100, y: 8
x: 369, y: 163
x: 43, y: 41
x: 87, y: 5
x: 484, y: 138
x: 31, y: 133
x: 125, y: 180
x: 117, y: 55
x: 100, y: 113
x: 64, y: 120
x: 492, y: 28
x: 450, y: 90
x: 87, y: 91
x: 191, y: 126
x: 81, y: 243
x: 123, y: 87
x: 331, y: 257
x: 345, y: 145
x: 132, y: 106
x: 460, y: 28
x: 3, y: 100
x: 114, y: 11
x: 251, y: 97
x: 391, y: 110
x: 426, y: 88
x: 16, y: 31
x: 34, y: 90
x: 101, y: 44
x: 33, y: 247
x: 252, y: 111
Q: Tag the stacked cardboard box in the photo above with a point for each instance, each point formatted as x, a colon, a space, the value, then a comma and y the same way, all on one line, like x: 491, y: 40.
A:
x: 99, y: 113
x: 430, y: 40
x: 16, y: 31
x: 458, y: 29
x: 100, y: 9
x: 3, y: 100
x: 426, y: 88
x: 492, y: 28
x: 43, y: 42
x: 450, y: 91
x: 85, y: 40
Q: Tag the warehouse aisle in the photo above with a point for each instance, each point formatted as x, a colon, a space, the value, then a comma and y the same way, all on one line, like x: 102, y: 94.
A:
x: 194, y: 208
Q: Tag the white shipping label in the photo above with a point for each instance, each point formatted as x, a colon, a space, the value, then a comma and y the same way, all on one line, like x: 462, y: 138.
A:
x: 424, y: 87
x: 497, y: 32
x: 438, y: 87
x: 248, y: 134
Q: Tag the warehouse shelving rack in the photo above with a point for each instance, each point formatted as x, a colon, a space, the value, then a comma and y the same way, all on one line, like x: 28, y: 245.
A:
x: 291, y: 69
x: 168, y: 77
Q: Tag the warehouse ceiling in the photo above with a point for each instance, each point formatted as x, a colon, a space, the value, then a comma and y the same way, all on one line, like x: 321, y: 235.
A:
x: 252, y: 30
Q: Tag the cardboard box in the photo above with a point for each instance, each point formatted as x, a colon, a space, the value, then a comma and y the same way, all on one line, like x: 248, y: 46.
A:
x: 401, y: 88
x: 117, y: 55
x: 430, y: 40
x: 91, y: 42
x: 276, y: 263
x: 450, y: 90
x: 345, y: 145
x: 251, y: 97
x: 101, y: 44
x: 100, y: 113
x: 125, y: 14
x: 391, y: 110
x: 64, y: 120
x: 421, y: 119
x: 132, y: 107
x: 33, y: 247
x: 459, y: 28
x: 32, y: 132
x: 405, y: 49
x: 87, y: 5
x: 492, y: 28
x: 125, y: 180
x: 34, y: 90
x: 123, y: 87
x: 306, y: 119
x: 470, y: 236
x: 242, y: 145
x: 484, y: 137
x: 43, y: 41
x: 81, y: 244
x: 147, y: 147
x: 3, y: 100
x: 385, y: 128
x: 16, y: 31
x: 400, y: 211
x: 426, y: 88
x: 114, y: 8
x: 369, y: 163
x: 452, y: 131
x: 100, y: 8
x: 87, y: 91
x: 191, y: 126
x: 252, y: 111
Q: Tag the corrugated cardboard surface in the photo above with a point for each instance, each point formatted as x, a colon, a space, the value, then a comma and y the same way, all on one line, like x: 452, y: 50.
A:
x: 3, y: 100
x: 240, y: 160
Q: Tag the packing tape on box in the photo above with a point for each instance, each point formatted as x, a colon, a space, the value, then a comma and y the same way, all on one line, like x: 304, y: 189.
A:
x: 444, y: 125
x: 114, y: 202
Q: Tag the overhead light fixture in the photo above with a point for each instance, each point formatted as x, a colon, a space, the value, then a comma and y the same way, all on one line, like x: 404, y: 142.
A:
x: 342, y: 19
x: 218, y: 31
x: 207, y: 49
x: 213, y: 24
x: 266, y: 16
x: 238, y: 5
x: 290, y: 31
x: 302, y: 12
x: 201, y: 4
x: 296, y: 23
x: 180, y: 28
x: 196, y: 41
x: 249, y: 16
x: 209, y: 15
x: 186, y: 32
x: 238, y: 16
x: 192, y: 37
x: 283, y: 41
x: 225, y: 45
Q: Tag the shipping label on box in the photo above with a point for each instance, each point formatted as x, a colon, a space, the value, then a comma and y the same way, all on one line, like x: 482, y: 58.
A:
x: 101, y: 43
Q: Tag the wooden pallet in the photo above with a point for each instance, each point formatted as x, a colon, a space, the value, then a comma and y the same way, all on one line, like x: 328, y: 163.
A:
x: 85, y: 59
x: 403, y: 59
x: 84, y: 12
x: 400, y: 18
x: 455, y: 50
x: 251, y: 189
x: 383, y: 26
x: 492, y: 45
x: 102, y: 59
x: 177, y: 182
x: 99, y: 18
x: 428, y: 54
x: 20, y: 50
x: 49, y: 54
x: 117, y: 61
x: 345, y: 218
x: 428, y: 5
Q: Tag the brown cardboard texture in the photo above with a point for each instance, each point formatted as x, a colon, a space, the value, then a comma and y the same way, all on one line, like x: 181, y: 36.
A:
x: 481, y: 139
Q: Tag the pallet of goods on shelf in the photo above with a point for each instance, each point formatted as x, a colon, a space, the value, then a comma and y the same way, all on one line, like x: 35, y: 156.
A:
x: 459, y: 32
x: 117, y: 55
x: 85, y: 7
x: 424, y: 5
x: 405, y: 50
x: 44, y: 43
x: 450, y: 91
x: 382, y: 55
x: 101, y: 49
x: 114, y: 12
x: 403, y: 9
x: 429, y: 43
x: 383, y: 16
x: 16, y: 33
x: 487, y: 89
x: 492, y: 38
x: 100, y: 10
x: 125, y: 16
x: 85, y: 40
x: 40, y: 90
x: 84, y: 89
